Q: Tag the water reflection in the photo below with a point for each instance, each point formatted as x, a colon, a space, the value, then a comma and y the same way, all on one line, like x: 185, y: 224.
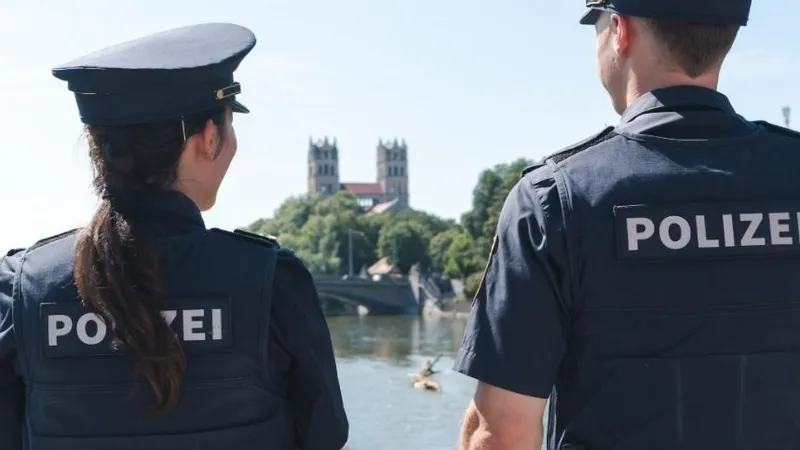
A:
x: 394, y: 338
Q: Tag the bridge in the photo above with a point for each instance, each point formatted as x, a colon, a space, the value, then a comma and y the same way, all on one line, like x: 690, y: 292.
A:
x: 387, y: 296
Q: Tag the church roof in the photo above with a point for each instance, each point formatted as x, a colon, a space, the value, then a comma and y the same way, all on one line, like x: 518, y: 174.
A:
x: 363, y: 188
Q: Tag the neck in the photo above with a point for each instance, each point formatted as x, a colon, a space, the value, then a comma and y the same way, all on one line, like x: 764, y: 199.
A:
x: 191, y: 189
x: 638, y: 86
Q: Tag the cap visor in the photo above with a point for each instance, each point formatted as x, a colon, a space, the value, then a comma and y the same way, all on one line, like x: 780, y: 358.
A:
x: 591, y: 16
x: 238, y: 107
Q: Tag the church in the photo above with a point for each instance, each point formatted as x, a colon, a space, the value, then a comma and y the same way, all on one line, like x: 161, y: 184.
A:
x: 388, y: 194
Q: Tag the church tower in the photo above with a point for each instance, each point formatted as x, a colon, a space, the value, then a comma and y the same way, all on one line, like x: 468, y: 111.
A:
x: 393, y: 170
x: 323, y: 166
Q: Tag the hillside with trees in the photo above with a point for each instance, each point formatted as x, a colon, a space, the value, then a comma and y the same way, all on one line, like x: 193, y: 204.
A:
x: 318, y: 230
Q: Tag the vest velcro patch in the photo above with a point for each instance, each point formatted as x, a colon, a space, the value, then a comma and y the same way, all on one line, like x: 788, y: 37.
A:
x: 72, y: 330
x: 707, y: 231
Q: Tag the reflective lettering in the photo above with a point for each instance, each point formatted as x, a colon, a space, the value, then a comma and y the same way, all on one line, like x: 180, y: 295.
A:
x: 57, y: 325
x: 777, y: 228
x: 749, y: 239
x: 193, y: 326
x: 727, y: 230
x: 169, y: 316
x: 70, y: 330
x: 639, y: 229
x: 711, y: 230
x: 216, y: 324
x: 99, y: 334
x: 702, y: 235
x: 684, y: 236
x: 190, y: 324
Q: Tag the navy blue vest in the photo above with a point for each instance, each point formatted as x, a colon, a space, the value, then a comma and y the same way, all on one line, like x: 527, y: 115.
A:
x: 683, y: 232
x: 82, y: 394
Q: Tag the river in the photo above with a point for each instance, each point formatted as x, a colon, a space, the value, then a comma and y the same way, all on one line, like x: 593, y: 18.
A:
x: 375, y: 355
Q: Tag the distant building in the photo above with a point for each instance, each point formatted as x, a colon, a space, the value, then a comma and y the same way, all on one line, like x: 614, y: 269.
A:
x: 388, y: 194
x: 382, y: 268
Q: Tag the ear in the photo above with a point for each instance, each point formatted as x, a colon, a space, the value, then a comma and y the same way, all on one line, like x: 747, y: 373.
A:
x: 210, y: 140
x: 621, y: 28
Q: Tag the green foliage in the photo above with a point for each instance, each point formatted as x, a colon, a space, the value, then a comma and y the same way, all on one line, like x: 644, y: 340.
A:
x: 472, y: 284
x: 439, y: 249
x: 320, y: 231
x: 463, y: 258
x: 405, y: 242
x: 488, y: 198
x: 467, y: 254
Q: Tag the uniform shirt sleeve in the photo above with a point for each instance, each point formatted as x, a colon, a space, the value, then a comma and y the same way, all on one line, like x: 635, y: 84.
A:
x: 301, y: 343
x: 12, y: 390
x: 517, y: 330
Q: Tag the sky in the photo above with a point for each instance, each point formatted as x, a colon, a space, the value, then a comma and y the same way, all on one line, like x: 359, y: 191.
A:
x: 467, y: 83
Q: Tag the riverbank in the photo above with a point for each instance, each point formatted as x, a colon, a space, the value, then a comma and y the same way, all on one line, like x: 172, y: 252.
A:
x: 456, y: 308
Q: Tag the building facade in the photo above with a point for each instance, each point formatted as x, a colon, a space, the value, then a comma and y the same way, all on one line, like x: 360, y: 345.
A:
x: 388, y: 193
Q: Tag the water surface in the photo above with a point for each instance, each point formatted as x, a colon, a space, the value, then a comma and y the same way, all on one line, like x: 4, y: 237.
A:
x: 375, y: 356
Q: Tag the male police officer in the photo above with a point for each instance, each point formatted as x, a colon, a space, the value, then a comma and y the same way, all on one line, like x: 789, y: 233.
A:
x: 646, y: 280
x: 259, y: 371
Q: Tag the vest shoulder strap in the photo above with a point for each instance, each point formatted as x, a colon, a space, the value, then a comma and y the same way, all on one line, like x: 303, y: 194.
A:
x: 247, y: 236
x: 573, y: 149
x: 772, y: 128
x: 47, y: 240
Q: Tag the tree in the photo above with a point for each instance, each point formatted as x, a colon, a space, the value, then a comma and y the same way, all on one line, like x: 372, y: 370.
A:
x: 509, y: 175
x: 404, y: 243
x: 462, y: 258
x: 433, y: 224
x: 439, y: 247
x: 320, y: 231
x: 472, y: 284
x: 468, y: 253
x: 483, y: 195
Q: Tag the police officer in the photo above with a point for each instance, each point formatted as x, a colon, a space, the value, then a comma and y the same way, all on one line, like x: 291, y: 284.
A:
x: 144, y: 329
x: 645, y: 280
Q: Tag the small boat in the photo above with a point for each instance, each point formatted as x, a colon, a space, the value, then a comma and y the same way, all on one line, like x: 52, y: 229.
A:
x: 421, y: 380
x: 426, y: 384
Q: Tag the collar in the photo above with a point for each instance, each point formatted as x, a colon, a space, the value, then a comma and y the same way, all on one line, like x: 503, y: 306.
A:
x: 677, y: 98
x: 165, y: 211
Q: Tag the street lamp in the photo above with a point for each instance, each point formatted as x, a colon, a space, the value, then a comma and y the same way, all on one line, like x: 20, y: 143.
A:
x: 787, y: 115
x: 350, y: 232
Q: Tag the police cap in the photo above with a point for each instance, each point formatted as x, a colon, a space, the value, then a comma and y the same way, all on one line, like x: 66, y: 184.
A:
x: 718, y: 12
x: 163, y: 76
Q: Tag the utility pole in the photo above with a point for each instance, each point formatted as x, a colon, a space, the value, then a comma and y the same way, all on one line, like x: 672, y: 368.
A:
x: 350, y: 232
x: 787, y: 116
x: 394, y: 251
x: 350, y: 253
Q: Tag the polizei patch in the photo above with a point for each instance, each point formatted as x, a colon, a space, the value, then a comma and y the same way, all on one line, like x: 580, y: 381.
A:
x: 707, y: 230
x: 72, y: 330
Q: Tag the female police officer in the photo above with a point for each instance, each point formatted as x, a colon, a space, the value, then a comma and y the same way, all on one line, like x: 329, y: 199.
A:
x: 223, y: 338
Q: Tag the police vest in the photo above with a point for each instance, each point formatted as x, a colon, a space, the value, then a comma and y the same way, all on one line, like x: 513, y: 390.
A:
x: 82, y: 393
x: 685, y: 326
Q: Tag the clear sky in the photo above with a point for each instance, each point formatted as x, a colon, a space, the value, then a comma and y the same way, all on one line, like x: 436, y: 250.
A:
x: 467, y: 83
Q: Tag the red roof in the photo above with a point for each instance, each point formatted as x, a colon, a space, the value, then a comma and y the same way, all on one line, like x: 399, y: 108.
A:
x: 363, y: 188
